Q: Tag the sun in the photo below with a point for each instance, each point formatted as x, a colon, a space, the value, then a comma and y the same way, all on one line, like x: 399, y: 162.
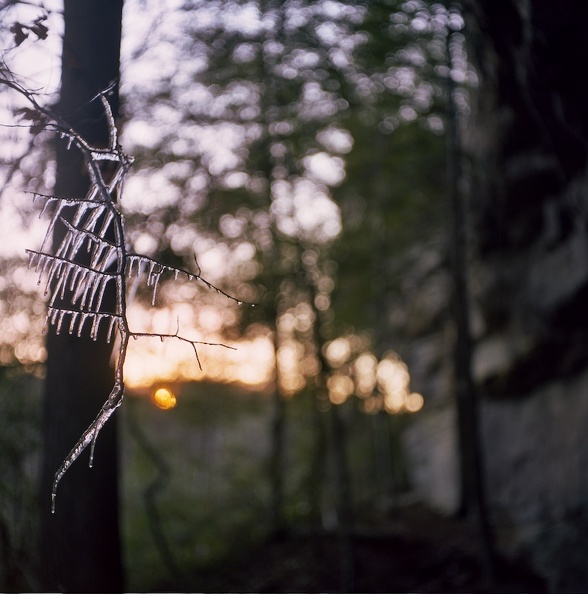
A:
x: 164, y: 399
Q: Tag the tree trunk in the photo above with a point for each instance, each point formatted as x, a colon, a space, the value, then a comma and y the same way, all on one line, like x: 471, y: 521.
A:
x: 473, y: 492
x: 80, y: 543
x: 338, y: 445
x: 277, y: 458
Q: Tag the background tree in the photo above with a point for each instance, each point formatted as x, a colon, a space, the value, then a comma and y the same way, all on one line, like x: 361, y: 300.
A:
x: 290, y: 98
x: 268, y: 89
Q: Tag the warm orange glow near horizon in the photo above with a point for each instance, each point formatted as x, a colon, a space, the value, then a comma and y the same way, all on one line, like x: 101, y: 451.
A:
x: 150, y: 361
x: 251, y: 363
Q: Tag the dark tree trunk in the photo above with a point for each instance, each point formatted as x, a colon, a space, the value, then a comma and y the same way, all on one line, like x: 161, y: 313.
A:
x: 338, y: 446
x: 80, y: 543
x: 473, y: 492
x: 277, y: 459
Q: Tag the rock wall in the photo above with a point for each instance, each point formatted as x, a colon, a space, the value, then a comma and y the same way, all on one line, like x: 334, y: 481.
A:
x: 528, y: 144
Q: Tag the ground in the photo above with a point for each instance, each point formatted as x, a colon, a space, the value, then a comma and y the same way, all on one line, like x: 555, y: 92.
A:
x: 409, y: 550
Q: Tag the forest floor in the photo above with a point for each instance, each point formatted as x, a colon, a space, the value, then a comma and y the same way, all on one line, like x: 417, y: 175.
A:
x: 409, y: 550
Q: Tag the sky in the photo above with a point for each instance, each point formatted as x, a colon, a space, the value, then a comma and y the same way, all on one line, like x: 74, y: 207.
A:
x: 302, y: 207
x: 299, y: 205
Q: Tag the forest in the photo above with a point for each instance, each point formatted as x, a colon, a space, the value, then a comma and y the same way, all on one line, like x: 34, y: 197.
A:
x: 291, y: 296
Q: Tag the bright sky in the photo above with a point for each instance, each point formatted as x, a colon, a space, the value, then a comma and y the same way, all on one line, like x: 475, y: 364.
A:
x: 38, y: 65
x: 302, y: 207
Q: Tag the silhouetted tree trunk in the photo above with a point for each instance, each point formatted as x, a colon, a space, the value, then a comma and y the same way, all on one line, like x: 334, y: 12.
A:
x: 80, y: 543
x: 277, y: 462
x: 277, y: 457
x: 344, y: 500
x: 338, y: 445
x: 318, y: 462
x: 473, y: 493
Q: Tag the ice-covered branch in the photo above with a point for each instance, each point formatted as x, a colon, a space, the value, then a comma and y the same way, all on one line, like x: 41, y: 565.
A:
x: 90, y: 258
x: 138, y: 264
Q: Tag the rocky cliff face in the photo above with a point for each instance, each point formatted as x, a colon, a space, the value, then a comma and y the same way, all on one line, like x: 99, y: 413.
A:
x: 529, y: 196
x: 530, y: 142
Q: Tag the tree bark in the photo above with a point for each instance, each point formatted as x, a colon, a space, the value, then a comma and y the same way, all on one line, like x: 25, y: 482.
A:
x: 80, y: 543
x: 473, y: 492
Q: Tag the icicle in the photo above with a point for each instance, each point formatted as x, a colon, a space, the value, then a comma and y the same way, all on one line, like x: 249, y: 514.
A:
x: 38, y: 264
x: 108, y: 255
x: 58, y: 291
x: 54, y: 272
x: 49, y: 234
x: 93, y: 445
x: 155, y: 284
x: 84, y: 316
x: 62, y: 247
x: 52, y: 315
x: 110, y: 333
x: 150, y: 273
x: 56, y: 215
x: 48, y: 282
x: 90, y: 293
x: 88, y: 287
x: 134, y: 286
x: 79, y: 214
x: 97, y: 318
x: 45, y: 261
x: 113, y: 255
x: 60, y: 317
x: 129, y: 266
x: 100, y: 294
x: 63, y: 280
x: 141, y: 265
x: 32, y: 255
x: 113, y: 132
x: 92, y: 285
x: 48, y: 200
x: 96, y: 254
x: 90, y: 224
x: 82, y: 283
x: 72, y: 323
x: 89, y: 290
x: 76, y: 244
x: 107, y: 222
x: 74, y: 277
x: 130, y: 263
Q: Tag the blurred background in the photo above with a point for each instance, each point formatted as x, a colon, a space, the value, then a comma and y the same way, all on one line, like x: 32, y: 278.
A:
x: 394, y: 194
